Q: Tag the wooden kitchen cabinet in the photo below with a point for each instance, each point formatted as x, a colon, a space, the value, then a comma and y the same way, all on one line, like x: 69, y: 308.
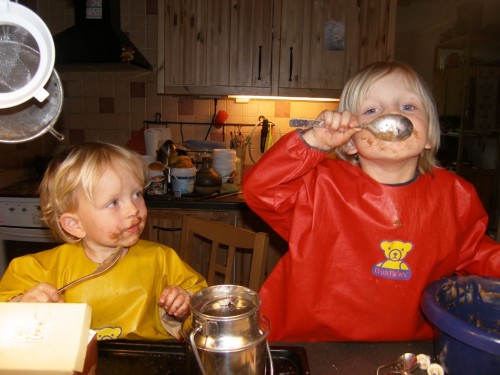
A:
x: 214, y: 47
x: 270, y: 47
x: 318, y: 46
x: 324, y: 42
x: 377, y: 34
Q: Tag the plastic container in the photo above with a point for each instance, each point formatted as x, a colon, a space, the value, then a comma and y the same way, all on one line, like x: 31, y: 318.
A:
x: 182, y: 180
x: 224, y: 162
x: 465, y: 311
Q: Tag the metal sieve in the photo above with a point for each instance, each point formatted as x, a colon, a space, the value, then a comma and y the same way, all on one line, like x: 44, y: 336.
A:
x: 32, y: 119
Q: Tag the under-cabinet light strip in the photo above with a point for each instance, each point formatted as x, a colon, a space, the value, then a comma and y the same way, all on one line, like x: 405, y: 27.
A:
x: 246, y: 99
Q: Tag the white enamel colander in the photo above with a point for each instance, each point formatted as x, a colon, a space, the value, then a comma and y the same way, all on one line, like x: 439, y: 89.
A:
x: 27, y: 55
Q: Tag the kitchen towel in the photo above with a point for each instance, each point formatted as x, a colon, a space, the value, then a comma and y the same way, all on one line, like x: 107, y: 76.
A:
x: 152, y: 139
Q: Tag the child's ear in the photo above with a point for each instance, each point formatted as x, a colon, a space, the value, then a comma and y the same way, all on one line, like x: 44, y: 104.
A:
x: 72, y: 224
x: 350, y: 148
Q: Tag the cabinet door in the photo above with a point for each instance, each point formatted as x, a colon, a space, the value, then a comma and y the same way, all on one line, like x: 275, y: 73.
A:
x: 251, y: 41
x: 318, y: 46
x: 164, y: 226
x: 377, y: 22
x: 214, y: 47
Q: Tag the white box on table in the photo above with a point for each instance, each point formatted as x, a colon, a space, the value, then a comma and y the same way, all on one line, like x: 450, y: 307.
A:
x: 46, y: 338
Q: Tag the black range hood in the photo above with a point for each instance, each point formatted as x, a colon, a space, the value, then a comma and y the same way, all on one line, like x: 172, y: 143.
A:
x: 96, y: 41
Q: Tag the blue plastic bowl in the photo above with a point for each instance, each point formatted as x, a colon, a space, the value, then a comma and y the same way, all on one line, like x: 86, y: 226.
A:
x: 465, y: 311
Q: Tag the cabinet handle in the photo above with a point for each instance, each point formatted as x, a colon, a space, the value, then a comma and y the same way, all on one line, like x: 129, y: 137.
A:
x: 167, y: 229
x: 260, y: 61
x: 291, y: 64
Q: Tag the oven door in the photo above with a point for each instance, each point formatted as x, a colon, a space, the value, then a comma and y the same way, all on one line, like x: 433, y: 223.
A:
x: 16, y: 241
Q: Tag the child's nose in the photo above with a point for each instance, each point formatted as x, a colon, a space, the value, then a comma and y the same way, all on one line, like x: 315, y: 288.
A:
x: 391, y: 111
x: 132, y: 208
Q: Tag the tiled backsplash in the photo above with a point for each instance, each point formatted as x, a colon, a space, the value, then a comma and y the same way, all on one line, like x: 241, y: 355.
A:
x: 110, y: 106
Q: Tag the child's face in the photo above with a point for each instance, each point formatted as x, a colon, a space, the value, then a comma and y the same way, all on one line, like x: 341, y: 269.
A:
x: 118, y: 214
x: 390, y: 95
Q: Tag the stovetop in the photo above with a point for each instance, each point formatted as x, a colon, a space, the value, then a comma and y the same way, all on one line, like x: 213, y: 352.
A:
x: 19, y: 205
x: 24, y: 189
x: 23, y: 197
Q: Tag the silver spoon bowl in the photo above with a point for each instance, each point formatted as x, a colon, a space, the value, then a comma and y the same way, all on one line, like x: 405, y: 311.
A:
x: 391, y: 128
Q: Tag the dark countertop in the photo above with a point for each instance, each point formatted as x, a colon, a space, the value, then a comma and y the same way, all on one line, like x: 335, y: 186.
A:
x: 196, y: 202
x: 353, y: 358
x: 124, y: 357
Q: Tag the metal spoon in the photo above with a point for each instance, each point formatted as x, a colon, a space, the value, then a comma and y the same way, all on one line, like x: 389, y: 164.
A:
x: 103, y: 267
x: 391, y: 128
x: 405, y: 365
x: 408, y: 363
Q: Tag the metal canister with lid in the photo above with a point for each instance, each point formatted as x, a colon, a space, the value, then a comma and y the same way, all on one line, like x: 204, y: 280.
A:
x: 226, y: 334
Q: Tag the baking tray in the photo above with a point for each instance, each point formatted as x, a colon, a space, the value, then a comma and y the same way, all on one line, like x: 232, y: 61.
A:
x: 123, y: 357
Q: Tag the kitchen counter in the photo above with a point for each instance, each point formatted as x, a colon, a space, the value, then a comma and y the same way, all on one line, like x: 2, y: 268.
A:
x: 355, y: 358
x: 321, y: 358
x: 196, y: 202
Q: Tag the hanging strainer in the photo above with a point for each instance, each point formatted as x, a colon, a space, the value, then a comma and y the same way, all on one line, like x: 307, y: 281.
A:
x: 31, y: 119
x: 27, y: 55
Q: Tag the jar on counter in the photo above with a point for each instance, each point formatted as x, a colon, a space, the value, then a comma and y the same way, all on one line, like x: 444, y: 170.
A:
x: 156, y: 179
x: 224, y: 162
x: 208, y: 180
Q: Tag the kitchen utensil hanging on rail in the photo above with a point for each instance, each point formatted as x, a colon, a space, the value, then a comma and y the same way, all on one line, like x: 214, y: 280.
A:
x: 266, y: 136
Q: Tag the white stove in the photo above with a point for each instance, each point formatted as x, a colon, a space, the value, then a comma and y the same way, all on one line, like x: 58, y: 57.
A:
x: 21, y: 212
x: 20, y: 221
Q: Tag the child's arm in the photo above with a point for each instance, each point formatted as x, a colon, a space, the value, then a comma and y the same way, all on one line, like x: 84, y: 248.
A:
x: 175, y: 301
x: 338, y: 129
x: 179, y: 282
x: 272, y: 187
x: 42, y: 292
x: 485, y: 261
x: 478, y: 253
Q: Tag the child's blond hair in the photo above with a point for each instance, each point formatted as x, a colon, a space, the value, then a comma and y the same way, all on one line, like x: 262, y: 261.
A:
x: 77, y: 170
x: 357, y: 87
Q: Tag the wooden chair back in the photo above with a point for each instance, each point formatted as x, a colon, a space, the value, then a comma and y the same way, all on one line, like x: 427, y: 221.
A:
x: 229, y: 250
